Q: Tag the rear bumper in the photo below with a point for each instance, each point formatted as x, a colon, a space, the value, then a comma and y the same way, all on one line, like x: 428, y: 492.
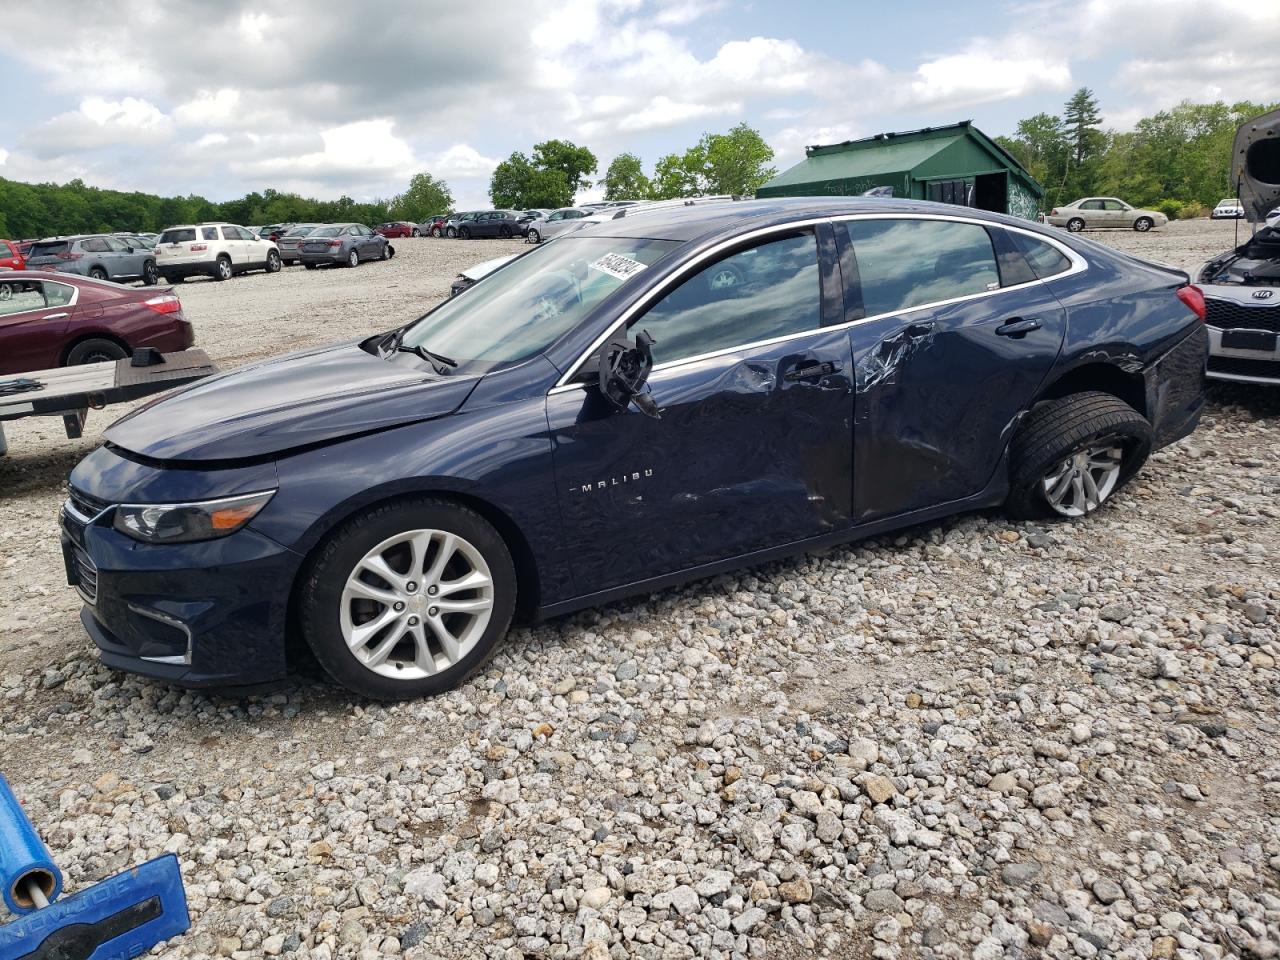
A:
x: 179, y: 271
x: 303, y: 256
x: 1175, y: 388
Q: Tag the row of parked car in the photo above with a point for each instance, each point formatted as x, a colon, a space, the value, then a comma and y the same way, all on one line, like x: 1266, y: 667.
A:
x: 535, y: 224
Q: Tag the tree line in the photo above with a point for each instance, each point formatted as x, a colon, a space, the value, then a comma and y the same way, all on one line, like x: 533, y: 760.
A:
x: 1177, y: 161
x: 48, y: 209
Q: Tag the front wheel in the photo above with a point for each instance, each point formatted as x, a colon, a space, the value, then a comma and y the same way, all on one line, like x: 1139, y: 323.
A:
x: 534, y: 236
x: 353, y: 259
x: 273, y: 262
x: 505, y: 233
x: 1143, y: 224
x: 1073, y: 453
x: 222, y: 269
x: 464, y: 233
x: 417, y: 232
x: 435, y: 232
x: 408, y: 598
x: 1075, y: 224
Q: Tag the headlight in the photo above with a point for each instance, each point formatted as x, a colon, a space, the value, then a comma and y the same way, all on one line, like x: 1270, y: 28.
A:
x: 188, y: 522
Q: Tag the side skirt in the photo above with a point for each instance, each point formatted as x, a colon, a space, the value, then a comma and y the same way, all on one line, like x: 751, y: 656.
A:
x: 992, y: 496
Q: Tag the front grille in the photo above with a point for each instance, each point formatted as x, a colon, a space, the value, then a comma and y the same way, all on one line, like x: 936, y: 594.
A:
x: 1229, y: 315
x: 1245, y: 367
x: 85, y: 504
x: 86, y: 575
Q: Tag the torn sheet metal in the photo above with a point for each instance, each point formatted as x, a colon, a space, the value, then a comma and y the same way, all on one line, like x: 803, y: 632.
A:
x: 883, y: 360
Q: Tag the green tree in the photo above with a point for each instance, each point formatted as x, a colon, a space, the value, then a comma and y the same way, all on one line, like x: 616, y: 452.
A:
x: 625, y: 179
x: 577, y: 163
x: 427, y: 195
x: 738, y: 161
x: 519, y: 184
x: 680, y: 174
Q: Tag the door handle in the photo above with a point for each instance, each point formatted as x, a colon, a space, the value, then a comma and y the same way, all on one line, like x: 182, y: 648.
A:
x: 55, y: 316
x: 809, y: 371
x: 1017, y: 327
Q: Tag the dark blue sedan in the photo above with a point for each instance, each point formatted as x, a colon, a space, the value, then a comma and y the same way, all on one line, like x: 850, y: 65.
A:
x: 657, y: 398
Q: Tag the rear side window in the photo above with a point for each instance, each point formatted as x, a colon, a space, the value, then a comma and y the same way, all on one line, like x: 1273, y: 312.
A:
x: 756, y: 294
x: 182, y: 235
x: 209, y: 233
x: 909, y: 263
x: 94, y: 245
x: 58, y: 294
x: 1045, y: 259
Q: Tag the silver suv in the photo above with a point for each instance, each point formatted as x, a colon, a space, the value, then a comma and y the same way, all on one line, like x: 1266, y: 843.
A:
x: 99, y: 256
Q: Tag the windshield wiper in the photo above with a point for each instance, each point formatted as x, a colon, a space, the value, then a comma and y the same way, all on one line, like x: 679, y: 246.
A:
x: 393, y: 344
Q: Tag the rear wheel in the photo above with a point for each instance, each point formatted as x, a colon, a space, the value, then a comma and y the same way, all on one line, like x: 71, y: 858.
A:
x: 1073, y: 453
x: 534, y: 236
x: 273, y: 262
x: 1143, y: 224
x: 222, y: 269
x: 464, y: 233
x: 451, y: 232
x: 95, y: 351
x: 97, y: 273
x: 436, y: 232
x: 353, y: 259
x: 505, y: 233
x: 417, y: 232
x: 408, y: 598
x: 150, y: 276
x: 1075, y: 224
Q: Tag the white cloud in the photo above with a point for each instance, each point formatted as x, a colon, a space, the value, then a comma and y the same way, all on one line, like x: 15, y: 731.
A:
x: 978, y: 76
x: 209, y: 108
x: 460, y: 161
x: 99, y: 123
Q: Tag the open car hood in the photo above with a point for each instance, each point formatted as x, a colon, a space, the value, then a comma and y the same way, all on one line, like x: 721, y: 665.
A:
x: 1255, y: 165
x: 300, y: 400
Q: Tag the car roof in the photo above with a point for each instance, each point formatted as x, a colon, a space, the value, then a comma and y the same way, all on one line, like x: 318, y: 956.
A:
x: 690, y: 222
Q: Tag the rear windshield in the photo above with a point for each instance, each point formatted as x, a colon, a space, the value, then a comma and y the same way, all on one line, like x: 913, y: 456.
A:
x: 300, y: 231
x: 184, y: 235
x: 50, y: 248
x: 328, y: 232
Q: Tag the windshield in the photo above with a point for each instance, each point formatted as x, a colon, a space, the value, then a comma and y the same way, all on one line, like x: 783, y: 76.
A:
x: 527, y: 305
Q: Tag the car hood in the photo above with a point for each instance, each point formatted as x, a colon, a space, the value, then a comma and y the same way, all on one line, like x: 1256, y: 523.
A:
x: 486, y: 267
x: 301, y: 400
x: 1255, y: 164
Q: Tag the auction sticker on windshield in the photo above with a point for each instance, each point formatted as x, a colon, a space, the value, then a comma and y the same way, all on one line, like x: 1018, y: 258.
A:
x: 616, y: 265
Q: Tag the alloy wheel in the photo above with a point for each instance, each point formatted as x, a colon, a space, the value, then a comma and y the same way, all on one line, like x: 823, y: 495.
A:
x: 416, y: 604
x: 353, y: 259
x: 1081, y: 482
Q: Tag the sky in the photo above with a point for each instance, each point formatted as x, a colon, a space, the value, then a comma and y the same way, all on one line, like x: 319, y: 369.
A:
x: 332, y: 98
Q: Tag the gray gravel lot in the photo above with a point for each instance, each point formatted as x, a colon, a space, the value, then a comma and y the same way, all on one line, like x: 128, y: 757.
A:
x: 976, y: 738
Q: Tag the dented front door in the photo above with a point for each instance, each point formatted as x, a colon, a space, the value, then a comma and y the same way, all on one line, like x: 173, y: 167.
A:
x: 944, y: 364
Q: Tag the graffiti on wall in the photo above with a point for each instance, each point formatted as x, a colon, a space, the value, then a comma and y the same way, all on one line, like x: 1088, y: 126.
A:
x: 1022, y: 202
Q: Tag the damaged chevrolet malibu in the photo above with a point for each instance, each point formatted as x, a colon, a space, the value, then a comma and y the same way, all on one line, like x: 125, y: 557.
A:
x: 657, y: 398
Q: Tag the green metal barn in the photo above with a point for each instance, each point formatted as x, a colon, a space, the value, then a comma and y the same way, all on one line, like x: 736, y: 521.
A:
x: 957, y: 164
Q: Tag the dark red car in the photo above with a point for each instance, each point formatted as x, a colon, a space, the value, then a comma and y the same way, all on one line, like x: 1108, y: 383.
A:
x: 397, y: 228
x: 434, y: 226
x: 58, y: 319
x: 11, y: 257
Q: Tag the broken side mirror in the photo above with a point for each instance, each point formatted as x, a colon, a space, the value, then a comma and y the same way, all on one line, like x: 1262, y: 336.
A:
x: 624, y: 373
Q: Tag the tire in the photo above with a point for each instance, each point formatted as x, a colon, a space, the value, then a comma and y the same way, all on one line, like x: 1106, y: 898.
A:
x: 1075, y: 224
x: 96, y: 350
x: 464, y: 233
x: 353, y: 258
x: 505, y: 233
x: 150, y: 276
x: 1071, y: 428
x: 312, y: 266
x: 534, y: 236
x: 1143, y: 224
x: 273, y: 262
x: 436, y: 232
x: 416, y: 232
x: 222, y: 269
x: 97, y: 273
x: 451, y: 233
x: 329, y: 609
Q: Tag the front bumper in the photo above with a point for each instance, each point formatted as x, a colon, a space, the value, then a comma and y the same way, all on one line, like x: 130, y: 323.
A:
x: 1244, y: 335
x: 209, y: 614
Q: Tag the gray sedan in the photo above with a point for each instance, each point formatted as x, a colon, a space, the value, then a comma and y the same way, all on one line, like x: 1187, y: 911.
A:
x: 100, y: 256
x: 343, y: 243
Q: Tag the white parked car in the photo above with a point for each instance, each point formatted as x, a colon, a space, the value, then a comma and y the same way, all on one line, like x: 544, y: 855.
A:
x: 218, y: 250
x: 1228, y: 209
x: 1105, y: 212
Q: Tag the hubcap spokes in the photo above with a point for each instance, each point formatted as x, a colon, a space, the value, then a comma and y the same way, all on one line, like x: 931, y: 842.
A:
x: 416, y: 604
x: 1080, y: 483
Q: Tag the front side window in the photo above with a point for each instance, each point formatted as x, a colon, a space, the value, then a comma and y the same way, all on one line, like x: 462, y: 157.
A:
x: 771, y: 290
x: 17, y: 296
x: 116, y: 244
x: 1113, y: 205
x: 908, y: 263
x: 527, y: 305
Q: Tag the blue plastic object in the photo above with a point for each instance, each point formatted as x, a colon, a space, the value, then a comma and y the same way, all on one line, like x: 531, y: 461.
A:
x: 121, y: 917
x: 23, y: 856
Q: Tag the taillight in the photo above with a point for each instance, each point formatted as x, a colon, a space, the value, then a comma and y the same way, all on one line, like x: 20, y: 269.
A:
x: 165, y: 303
x: 70, y: 256
x: 1193, y: 297
x: 198, y: 247
x: 335, y: 243
x: 1053, y: 212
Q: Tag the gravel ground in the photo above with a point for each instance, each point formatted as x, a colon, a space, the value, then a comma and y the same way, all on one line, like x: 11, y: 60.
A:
x: 977, y: 738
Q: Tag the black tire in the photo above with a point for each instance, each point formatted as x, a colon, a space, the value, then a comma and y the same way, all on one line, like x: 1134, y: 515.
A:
x: 97, y: 273
x: 533, y: 236
x: 1075, y: 224
x: 222, y: 269
x: 150, y: 276
x: 464, y: 233
x: 1143, y: 224
x: 324, y: 578
x: 417, y: 232
x: 505, y: 232
x: 1058, y: 428
x: 273, y: 262
x: 311, y: 266
x: 95, y: 350
x: 437, y: 232
x: 353, y: 258
x: 451, y: 233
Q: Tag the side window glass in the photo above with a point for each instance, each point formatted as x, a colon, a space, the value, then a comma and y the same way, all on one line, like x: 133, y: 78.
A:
x: 58, y: 294
x: 1091, y: 205
x: 17, y: 296
x: 555, y: 216
x: 1045, y: 259
x: 908, y: 263
x: 756, y: 294
x: 114, y: 245
x: 230, y: 233
x: 95, y: 245
x: 209, y: 233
